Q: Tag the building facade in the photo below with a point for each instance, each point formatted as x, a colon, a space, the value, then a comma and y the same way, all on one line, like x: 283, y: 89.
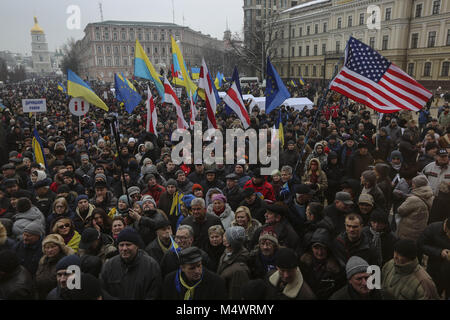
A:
x: 108, y: 47
x: 413, y: 34
x: 39, y: 50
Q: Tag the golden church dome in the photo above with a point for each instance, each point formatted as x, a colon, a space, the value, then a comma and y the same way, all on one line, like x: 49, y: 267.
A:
x: 36, y: 28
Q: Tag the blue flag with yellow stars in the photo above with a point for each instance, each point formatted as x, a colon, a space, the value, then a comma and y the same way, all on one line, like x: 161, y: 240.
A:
x: 126, y: 93
x: 276, y: 92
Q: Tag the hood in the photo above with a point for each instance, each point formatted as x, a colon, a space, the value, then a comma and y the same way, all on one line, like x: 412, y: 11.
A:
x: 226, y: 213
x: 207, y: 198
x: 316, y: 145
x: 321, y: 235
x: 425, y: 193
x: 3, y: 234
x: 319, y: 169
x: 32, y: 214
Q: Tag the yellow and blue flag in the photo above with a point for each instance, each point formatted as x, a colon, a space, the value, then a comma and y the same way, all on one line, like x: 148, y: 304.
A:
x: 38, y: 149
x: 279, y: 126
x: 292, y: 83
x: 181, y: 76
x: 78, y: 88
x: 301, y: 81
x: 195, y: 73
x: 61, y: 87
x: 276, y: 92
x: 126, y: 92
x: 143, y: 68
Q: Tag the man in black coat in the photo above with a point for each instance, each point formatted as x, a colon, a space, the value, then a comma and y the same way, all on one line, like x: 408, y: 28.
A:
x: 232, y: 191
x: 192, y: 281
x: 256, y: 205
x: 15, y: 281
x: 336, y: 212
x: 44, y: 196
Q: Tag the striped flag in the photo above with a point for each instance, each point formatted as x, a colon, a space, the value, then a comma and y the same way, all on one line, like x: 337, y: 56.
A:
x: 171, y: 97
x: 152, y: 117
x: 233, y: 99
x: 193, y: 112
x: 369, y: 78
x: 206, y: 84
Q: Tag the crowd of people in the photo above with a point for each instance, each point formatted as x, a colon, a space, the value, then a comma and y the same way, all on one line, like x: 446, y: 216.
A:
x: 350, y: 192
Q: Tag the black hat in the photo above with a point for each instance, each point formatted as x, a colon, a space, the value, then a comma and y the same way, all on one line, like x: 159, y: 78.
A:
x: 10, y: 182
x: 88, y: 237
x: 276, y: 208
x: 90, y: 289
x: 130, y: 234
x: 8, y: 261
x: 379, y: 215
x: 257, y: 173
x: 13, y: 154
x: 286, y: 258
x: 332, y: 155
x: 162, y: 223
x: 248, y: 192
x: 406, y: 248
x: 190, y: 255
x: 64, y: 188
x: 210, y: 170
x: 291, y: 142
x: 232, y: 176
x: 442, y: 152
x: 8, y: 166
x: 100, y: 184
x: 69, y: 174
x: 17, y: 161
x: 362, y: 144
x: 303, y: 189
x: 42, y: 183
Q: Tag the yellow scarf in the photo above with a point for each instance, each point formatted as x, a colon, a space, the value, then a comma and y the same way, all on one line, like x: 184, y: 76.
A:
x: 189, y: 290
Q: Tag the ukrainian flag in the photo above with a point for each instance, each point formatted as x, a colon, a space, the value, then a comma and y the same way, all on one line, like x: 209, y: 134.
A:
x: 78, y: 88
x: 38, y: 150
x: 178, y: 63
x: 61, y: 87
x: 279, y: 126
x: 143, y: 68
x: 301, y: 81
x: 195, y: 73
x: 293, y: 83
x: 126, y: 93
x: 218, y: 80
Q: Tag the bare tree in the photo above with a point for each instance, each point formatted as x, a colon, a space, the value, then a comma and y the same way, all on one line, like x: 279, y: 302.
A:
x: 72, y: 56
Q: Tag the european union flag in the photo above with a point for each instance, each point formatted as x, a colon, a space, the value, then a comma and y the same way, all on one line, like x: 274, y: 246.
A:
x: 276, y: 92
x: 126, y: 93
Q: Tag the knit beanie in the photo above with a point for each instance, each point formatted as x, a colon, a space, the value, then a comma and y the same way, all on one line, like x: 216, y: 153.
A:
x: 64, y: 263
x: 8, y: 261
x: 220, y: 197
x: 196, y: 186
x: 420, y: 181
x: 355, y: 265
x: 35, y: 228
x: 286, y: 258
x: 81, y: 197
x: 23, y: 205
x: 267, y: 235
x: 101, y: 176
x: 406, y: 248
x: 129, y: 234
x: 235, y: 236
x: 124, y: 198
x: 172, y: 182
x: 133, y: 190
x: 148, y: 198
x: 64, y: 188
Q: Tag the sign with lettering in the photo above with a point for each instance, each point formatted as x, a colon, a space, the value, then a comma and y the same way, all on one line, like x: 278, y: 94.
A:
x: 78, y: 107
x: 34, y: 105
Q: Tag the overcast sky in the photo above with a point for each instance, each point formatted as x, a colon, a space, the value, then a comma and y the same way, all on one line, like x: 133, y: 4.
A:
x: 16, y: 17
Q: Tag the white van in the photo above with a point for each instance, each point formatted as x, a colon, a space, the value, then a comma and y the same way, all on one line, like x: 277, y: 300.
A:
x: 247, y: 81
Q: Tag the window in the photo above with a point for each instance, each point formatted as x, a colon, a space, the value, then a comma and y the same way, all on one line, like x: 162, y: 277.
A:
x: 282, y: 52
x: 411, y: 69
x: 99, y: 50
x: 448, y: 37
x: 314, y: 71
x: 109, y: 62
x: 324, y: 48
x: 300, y: 51
x: 124, y: 49
x: 147, y: 36
x: 431, y: 39
x: 108, y: 50
x: 293, y: 51
x: 427, y: 69
x: 140, y: 36
x: 436, y: 6
x: 115, y: 36
x: 124, y: 36
x: 315, y: 50
x: 117, y: 61
x: 414, y: 40
x: 164, y: 51
x: 418, y: 10
x: 325, y: 27
x: 106, y: 35
x: 306, y: 71
x: 162, y: 36
x: 338, y: 46
x: 308, y: 30
x: 299, y: 70
x: 293, y: 33
x: 307, y: 51
x: 100, y: 62
x: 445, y: 69
x: 125, y: 61
x: 372, y: 42
x: 148, y: 50
x: 316, y: 28
x: 361, y: 19
x: 339, y: 23
x: 322, y: 71
x: 155, y: 37
x: 350, y: 21
x: 300, y: 31
x: 132, y: 36
x: 132, y: 50
x: 97, y: 36
x: 385, y: 43
x: 387, y: 15
x: 282, y: 34
x: 116, y: 50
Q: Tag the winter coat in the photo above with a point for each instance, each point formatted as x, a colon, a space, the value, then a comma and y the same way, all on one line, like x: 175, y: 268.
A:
x: 156, y: 192
x: 334, y: 175
x: 136, y: 281
x: 170, y: 262
x: 388, y: 240
x: 343, y: 249
x: 257, y: 209
x: 441, y: 203
x: 423, y: 161
x: 322, y: 183
x: 348, y: 293
x: 296, y: 290
x: 22, y: 219
x: 46, y: 275
x: 337, y: 218
x: 322, y: 157
x: 378, y: 197
x: 250, y: 231
x: 289, y: 158
x: 265, y: 189
x: 154, y: 250
x: 260, y: 265
x: 431, y: 242
x: 29, y: 255
x: 81, y: 223
x: 146, y: 225
x: 211, y: 287
x: 214, y: 253
x: 287, y: 236
x: 358, y: 164
x: 395, y: 133
x: 436, y: 175
x: 6, y: 243
x: 44, y: 203
x: 106, y: 251
x: 408, y: 282
x: 345, y: 155
x: 408, y: 149
x: 53, y: 216
x: 414, y: 213
x: 17, y: 286
x: 234, y: 196
x: 234, y: 270
x: 227, y: 216
x: 185, y: 187
x: 201, y: 237
x: 107, y: 204
x: 74, y: 242
x: 385, y: 147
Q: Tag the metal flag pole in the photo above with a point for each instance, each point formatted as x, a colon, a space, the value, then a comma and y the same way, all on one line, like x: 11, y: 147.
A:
x: 316, y: 116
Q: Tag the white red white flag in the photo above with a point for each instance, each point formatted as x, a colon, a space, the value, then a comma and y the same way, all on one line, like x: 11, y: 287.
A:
x: 234, y: 100
x: 152, y: 117
x: 206, y: 84
x: 171, y: 97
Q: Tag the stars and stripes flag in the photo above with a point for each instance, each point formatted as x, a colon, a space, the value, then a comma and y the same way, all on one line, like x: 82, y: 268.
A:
x: 152, y: 117
x: 234, y: 100
x: 369, y: 78
x: 171, y: 97
x: 206, y: 84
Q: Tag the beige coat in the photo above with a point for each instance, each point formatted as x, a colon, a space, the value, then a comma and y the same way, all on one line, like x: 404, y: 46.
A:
x: 414, y: 213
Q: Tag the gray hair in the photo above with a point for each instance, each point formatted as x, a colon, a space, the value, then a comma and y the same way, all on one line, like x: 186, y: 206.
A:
x: 216, y: 229
x: 198, y: 202
x: 288, y: 169
x: 188, y: 228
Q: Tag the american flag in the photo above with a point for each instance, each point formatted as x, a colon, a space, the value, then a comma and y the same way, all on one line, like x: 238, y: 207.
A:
x: 369, y: 78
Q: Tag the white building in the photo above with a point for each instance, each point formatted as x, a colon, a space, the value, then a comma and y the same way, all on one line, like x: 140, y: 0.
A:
x: 39, y: 50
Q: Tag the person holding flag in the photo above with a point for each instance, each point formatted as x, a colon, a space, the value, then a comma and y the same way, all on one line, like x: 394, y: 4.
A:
x: 152, y: 116
x: 78, y: 88
x: 206, y: 85
x: 38, y: 149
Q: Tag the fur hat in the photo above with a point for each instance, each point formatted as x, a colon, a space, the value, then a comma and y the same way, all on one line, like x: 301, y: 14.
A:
x: 59, y: 241
x: 220, y: 197
x: 267, y: 235
x: 420, y: 181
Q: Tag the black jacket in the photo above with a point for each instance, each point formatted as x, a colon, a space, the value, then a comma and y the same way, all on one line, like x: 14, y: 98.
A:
x: 337, y: 217
x: 29, y: 256
x: 234, y: 196
x: 201, y: 237
x: 388, y: 240
x: 343, y: 249
x: 17, y: 286
x: 137, y: 281
x: 257, y: 209
x: 212, y: 287
x: 348, y: 293
x: 170, y: 262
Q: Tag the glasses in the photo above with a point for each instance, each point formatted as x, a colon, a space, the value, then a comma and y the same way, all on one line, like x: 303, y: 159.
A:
x: 59, y: 206
x: 63, y: 226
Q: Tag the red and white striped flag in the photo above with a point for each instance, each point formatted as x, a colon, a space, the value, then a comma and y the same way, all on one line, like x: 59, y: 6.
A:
x: 206, y: 84
x: 193, y: 112
x: 369, y: 78
x: 152, y: 117
x: 234, y: 100
x: 171, y: 97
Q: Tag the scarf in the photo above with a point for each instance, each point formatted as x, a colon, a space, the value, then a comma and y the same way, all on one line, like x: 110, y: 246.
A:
x: 376, y: 243
x: 314, y: 177
x: 189, y: 295
x: 176, y: 204
x: 162, y: 246
x: 68, y: 236
x: 218, y: 213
